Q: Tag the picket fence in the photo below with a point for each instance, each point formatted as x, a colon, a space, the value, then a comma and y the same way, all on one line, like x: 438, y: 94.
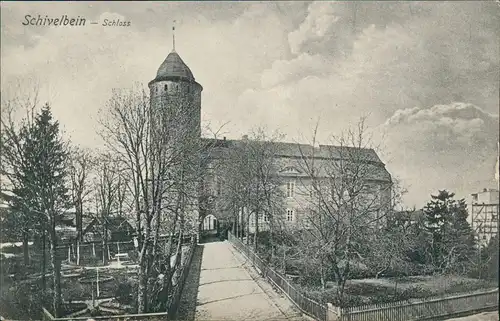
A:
x: 415, y: 310
x: 426, y: 309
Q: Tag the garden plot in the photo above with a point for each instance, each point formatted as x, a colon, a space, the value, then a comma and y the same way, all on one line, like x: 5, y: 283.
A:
x: 384, y: 290
x: 435, y: 285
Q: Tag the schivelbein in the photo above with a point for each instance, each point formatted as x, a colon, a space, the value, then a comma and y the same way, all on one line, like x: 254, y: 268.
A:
x: 64, y: 20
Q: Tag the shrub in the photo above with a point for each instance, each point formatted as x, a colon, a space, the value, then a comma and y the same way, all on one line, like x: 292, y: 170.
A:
x: 358, y: 272
x: 24, y: 301
x: 133, y: 255
x: 467, y: 285
x: 413, y: 292
x: 331, y: 296
x: 125, y: 292
x: 74, y: 290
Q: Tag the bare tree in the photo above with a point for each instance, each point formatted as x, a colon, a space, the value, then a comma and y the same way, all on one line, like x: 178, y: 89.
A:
x: 160, y: 151
x: 349, y: 194
x: 252, y: 185
x: 106, y: 188
x: 80, y: 167
x: 387, y: 251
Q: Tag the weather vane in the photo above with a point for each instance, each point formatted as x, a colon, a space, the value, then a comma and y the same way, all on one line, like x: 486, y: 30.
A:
x: 173, y: 36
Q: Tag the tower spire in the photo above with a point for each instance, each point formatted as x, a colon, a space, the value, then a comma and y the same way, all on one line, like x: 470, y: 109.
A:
x: 173, y: 37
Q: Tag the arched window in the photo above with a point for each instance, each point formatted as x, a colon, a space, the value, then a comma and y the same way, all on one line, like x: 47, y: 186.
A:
x: 166, y: 87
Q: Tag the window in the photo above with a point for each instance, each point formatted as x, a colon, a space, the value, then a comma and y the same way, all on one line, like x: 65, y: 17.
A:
x: 289, y: 215
x: 266, y: 218
x: 166, y: 87
x: 290, y: 189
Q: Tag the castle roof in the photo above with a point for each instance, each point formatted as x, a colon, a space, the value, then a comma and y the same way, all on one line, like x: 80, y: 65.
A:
x: 324, y: 154
x: 174, y: 68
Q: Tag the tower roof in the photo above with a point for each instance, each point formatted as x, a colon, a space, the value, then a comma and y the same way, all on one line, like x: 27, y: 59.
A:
x: 174, y: 67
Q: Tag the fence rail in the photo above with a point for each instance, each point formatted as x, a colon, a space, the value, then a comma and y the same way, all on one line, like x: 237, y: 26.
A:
x: 126, y: 317
x: 306, y: 305
x: 429, y: 308
x: 172, y: 304
x: 174, y: 299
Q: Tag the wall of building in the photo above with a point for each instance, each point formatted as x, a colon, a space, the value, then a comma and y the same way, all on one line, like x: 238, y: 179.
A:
x: 484, y: 214
x: 176, y: 117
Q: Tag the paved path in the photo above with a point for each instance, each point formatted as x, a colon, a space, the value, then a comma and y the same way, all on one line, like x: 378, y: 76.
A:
x: 230, y: 290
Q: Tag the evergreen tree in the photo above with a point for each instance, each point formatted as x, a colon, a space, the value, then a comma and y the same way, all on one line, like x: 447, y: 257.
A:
x: 43, y: 185
x: 461, y: 237
x: 451, y: 238
x: 436, y: 218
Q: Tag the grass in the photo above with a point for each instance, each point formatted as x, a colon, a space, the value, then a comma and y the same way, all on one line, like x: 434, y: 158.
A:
x: 436, y: 285
x: 383, y: 290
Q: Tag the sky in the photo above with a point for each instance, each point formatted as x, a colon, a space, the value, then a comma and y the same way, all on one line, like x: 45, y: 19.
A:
x: 423, y: 74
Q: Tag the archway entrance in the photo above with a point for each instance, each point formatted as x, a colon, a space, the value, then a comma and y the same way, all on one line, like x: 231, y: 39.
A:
x: 210, y: 223
x: 209, y: 229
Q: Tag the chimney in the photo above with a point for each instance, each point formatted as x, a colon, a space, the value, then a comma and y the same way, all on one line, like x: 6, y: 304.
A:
x: 224, y: 138
x: 485, y: 189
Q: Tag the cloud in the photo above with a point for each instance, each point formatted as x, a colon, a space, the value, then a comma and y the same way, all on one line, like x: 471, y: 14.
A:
x: 318, y: 23
x: 445, y: 146
x: 436, y: 55
x: 304, y: 65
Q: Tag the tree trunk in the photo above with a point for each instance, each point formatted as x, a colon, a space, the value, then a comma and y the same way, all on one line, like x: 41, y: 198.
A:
x: 77, y: 252
x: 247, y: 230
x: 322, y: 274
x: 271, y: 240
x: 138, y: 218
x: 79, y: 223
x: 26, y: 253
x: 56, y: 273
x: 138, y: 230
x: 167, y: 285
x: 142, y: 289
x: 167, y: 279
x: 237, y: 226
x: 256, y: 232
x: 284, y: 260
x: 242, y: 224
x: 44, y: 260
x: 178, y: 254
x: 105, y: 253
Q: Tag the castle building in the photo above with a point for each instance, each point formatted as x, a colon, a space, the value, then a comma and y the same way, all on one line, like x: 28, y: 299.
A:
x: 175, y: 79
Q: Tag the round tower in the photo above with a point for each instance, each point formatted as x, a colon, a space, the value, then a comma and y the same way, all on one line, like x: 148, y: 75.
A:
x: 176, y: 96
x: 175, y: 111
